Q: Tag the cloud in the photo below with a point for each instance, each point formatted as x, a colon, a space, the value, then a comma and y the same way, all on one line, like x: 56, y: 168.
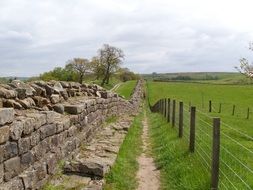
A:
x: 156, y: 35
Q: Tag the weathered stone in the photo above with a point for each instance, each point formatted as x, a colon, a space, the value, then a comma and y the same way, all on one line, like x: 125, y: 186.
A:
x: 58, y: 87
x: 9, y: 103
x: 21, y: 93
x: 4, y: 93
x: 72, y: 131
x: 49, y: 90
x: 27, y: 103
x: 51, y: 164
x: 65, y: 84
x: 10, y: 150
x: 28, y: 124
x: 26, y: 160
x: 16, y: 129
x: 74, y: 109
x: 1, y: 173
x: 51, y: 116
x: 39, y: 90
x: 29, y: 179
x: 55, y: 98
x: 87, y: 168
x: 4, y: 134
x: 65, y: 94
x: 59, y: 108
x: 13, y: 184
x: 40, y: 119
x: 40, y: 101
x: 47, y: 130
x: 35, y: 138
x: 24, y: 145
x: 6, y: 115
x: 29, y: 91
x: 40, y: 170
x: 12, y: 168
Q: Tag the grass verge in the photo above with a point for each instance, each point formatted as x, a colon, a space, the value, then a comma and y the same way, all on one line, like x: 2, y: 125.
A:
x: 123, y: 173
x: 180, y: 170
x: 126, y: 88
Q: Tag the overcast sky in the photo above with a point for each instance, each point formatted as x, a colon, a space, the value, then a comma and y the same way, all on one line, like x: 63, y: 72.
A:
x: 156, y: 35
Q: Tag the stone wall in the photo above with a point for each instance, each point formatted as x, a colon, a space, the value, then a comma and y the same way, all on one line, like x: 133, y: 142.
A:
x: 34, y: 137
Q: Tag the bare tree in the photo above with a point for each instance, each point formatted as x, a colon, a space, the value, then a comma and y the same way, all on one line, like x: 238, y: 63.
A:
x: 110, y: 58
x: 81, y: 66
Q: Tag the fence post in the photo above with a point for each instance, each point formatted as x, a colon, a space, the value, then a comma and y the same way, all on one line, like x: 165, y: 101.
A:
x: 181, y: 119
x: 210, y: 106
x: 173, y: 112
x: 165, y: 107
x: 168, y: 109
x: 161, y: 110
x: 190, y: 104
x: 233, y: 112
x: 220, y: 108
x: 215, y: 154
x: 192, y: 129
x: 248, y: 114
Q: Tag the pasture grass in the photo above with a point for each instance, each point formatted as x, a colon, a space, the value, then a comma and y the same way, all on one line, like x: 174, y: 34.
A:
x: 236, y: 148
x: 126, y: 89
x: 123, y: 173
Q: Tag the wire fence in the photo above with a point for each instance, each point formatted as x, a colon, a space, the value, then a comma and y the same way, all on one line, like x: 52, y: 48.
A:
x: 235, y: 151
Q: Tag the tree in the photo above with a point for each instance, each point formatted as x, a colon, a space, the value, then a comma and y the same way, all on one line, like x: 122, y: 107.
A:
x: 246, y: 68
x: 81, y: 66
x: 110, y: 58
x: 96, y: 67
x: 125, y: 75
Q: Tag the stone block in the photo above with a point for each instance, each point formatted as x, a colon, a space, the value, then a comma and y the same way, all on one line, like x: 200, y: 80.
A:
x: 35, y: 138
x: 16, y: 130
x: 51, y: 116
x: 55, y: 98
x: 24, y: 145
x: 10, y: 150
x: 40, y: 119
x: 59, y: 108
x: 47, y: 130
x: 51, y: 164
x: 27, y: 159
x: 9, y: 103
x: 1, y: 173
x: 13, y: 184
x: 11, y: 168
x: 4, y: 93
x: 74, y: 109
x: 6, y: 115
x: 29, y: 179
x: 40, y: 170
x: 4, y: 134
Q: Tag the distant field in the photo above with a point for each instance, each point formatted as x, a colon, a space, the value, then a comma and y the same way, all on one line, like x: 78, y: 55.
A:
x: 201, y: 77
x: 126, y: 89
x: 237, y: 131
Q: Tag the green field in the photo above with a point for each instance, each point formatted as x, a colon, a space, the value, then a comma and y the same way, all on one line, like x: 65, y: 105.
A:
x: 236, y: 164
x: 126, y: 89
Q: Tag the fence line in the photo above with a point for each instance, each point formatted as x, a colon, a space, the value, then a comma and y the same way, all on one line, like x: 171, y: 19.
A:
x: 203, y: 148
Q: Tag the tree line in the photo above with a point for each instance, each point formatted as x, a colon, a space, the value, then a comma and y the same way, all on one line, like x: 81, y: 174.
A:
x: 102, y: 67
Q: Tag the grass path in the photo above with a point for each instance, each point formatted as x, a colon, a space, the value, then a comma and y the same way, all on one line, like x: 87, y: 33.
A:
x: 148, y: 176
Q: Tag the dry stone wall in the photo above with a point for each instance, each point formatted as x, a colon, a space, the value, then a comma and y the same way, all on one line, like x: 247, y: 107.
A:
x: 42, y: 123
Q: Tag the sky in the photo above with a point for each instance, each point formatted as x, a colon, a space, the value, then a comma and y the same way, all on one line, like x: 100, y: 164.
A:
x: 155, y: 35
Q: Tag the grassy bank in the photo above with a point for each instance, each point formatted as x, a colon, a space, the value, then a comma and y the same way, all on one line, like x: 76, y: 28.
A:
x: 123, y: 173
x: 179, y: 169
x: 126, y: 88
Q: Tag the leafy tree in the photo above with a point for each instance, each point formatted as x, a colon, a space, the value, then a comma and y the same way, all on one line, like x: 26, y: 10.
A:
x: 110, y: 58
x: 125, y: 75
x: 81, y: 66
x: 96, y: 67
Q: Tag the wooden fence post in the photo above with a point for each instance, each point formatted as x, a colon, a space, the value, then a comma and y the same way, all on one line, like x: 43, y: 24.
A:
x: 220, y: 108
x: 190, y: 104
x: 233, y: 112
x: 210, y: 106
x: 173, y: 113
x: 248, y: 113
x: 192, y: 129
x: 181, y: 119
x: 215, y: 154
x: 168, y: 110
x: 165, y: 107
